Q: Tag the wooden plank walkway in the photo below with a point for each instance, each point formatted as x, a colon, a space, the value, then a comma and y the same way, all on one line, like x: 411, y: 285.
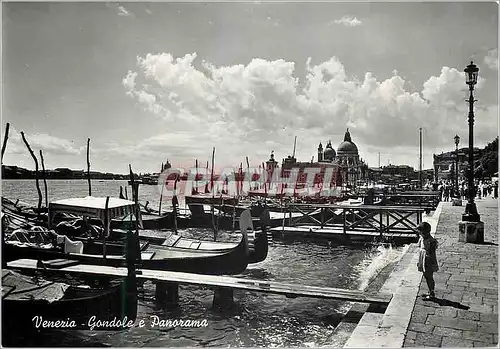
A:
x: 339, y: 231
x: 289, y: 290
x: 338, y: 234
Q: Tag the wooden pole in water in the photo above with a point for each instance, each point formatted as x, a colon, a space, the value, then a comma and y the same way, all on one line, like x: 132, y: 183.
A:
x: 234, y: 214
x: 206, y: 185
x: 265, y: 175
x: 240, y: 185
x: 249, y: 177
x: 213, y: 194
x: 5, y: 138
x: 135, y: 196
x: 175, y: 204
x: 161, y: 191
x: 44, y: 179
x: 106, y: 227
x: 88, y: 166
x: 218, y: 220
x: 36, y: 173
x: 212, y: 173
x: 196, y: 176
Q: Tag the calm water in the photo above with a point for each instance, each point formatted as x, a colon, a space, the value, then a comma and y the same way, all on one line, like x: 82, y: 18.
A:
x: 259, y: 319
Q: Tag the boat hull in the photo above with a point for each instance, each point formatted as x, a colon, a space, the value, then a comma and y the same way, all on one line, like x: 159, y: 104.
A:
x: 155, y: 257
x: 75, y: 310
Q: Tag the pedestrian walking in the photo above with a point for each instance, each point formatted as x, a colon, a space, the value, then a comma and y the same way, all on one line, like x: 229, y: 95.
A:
x: 446, y: 192
x: 427, y: 260
x: 441, y: 189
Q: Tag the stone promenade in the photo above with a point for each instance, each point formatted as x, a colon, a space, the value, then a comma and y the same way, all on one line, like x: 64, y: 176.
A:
x: 465, y: 313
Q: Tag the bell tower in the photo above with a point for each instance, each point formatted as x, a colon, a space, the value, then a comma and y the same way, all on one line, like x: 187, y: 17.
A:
x: 320, y: 152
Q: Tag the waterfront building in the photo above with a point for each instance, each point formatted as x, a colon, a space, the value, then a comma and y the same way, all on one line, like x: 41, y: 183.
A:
x: 345, y: 164
x: 444, y: 164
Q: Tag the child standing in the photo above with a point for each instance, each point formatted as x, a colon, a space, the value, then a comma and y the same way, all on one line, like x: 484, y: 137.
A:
x: 427, y: 261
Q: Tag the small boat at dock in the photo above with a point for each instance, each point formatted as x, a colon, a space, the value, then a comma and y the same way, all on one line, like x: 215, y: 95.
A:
x: 30, y: 300
x: 173, y: 253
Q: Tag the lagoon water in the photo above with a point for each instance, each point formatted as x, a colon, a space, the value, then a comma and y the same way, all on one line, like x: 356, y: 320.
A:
x: 258, y: 319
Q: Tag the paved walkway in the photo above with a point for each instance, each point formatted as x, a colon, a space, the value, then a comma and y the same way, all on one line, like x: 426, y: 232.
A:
x: 465, y: 313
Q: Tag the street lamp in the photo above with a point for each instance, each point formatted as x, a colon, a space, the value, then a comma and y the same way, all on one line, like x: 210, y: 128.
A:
x: 471, y: 214
x: 457, y: 140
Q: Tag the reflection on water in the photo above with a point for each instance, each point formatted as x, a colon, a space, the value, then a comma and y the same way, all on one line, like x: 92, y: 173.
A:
x: 258, y: 319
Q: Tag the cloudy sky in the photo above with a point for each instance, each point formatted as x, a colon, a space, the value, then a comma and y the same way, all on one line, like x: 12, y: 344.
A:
x: 154, y: 81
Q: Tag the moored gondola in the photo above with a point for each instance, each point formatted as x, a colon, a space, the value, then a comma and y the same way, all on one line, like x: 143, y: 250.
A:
x: 35, y: 303
x: 174, y: 253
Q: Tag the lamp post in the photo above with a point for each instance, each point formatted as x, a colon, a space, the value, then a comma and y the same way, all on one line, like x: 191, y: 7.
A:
x: 471, y: 214
x: 457, y: 140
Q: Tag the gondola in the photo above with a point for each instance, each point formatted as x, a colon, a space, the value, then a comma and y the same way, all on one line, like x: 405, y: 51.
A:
x: 174, y: 254
x: 32, y: 303
x: 28, y: 236
x: 204, y: 258
x: 196, y: 202
x: 147, y: 221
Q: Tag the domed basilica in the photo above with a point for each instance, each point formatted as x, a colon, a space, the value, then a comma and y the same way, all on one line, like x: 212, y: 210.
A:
x: 347, y: 152
x: 346, y: 159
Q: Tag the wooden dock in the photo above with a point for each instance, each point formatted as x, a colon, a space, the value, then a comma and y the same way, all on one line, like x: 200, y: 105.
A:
x: 224, y: 282
x: 353, y: 222
x: 425, y: 199
x: 337, y: 232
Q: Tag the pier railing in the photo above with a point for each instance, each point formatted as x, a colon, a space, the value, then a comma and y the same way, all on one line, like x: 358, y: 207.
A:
x: 385, y: 220
x: 425, y: 199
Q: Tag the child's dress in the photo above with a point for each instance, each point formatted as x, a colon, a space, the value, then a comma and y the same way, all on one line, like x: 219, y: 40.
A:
x: 427, y: 261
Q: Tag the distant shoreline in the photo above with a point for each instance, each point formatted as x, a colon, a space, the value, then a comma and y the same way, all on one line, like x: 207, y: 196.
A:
x: 66, y: 179
x: 15, y: 172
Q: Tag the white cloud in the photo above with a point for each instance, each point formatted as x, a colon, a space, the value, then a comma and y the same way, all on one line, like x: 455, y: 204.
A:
x: 348, y: 21
x: 129, y: 80
x: 491, y: 60
x: 241, y: 106
x: 52, y: 147
x: 122, y: 11
x: 43, y: 141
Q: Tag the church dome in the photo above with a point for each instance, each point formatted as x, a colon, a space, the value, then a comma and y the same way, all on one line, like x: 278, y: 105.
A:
x: 329, y: 153
x: 347, y: 147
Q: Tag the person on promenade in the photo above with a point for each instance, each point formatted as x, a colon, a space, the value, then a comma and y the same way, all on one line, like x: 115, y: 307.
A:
x: 427, y: 260
x: 485, y: 190
x: 495, y: 189
x: 446, y: 192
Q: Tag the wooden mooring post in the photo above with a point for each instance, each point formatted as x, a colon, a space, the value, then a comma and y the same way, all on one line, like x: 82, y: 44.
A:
x: 223, y: 298
x: 36, y: 174
x: 5, y: 138
x: 88, y: 166
x: 44, y: 177
x: 167, y: 295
